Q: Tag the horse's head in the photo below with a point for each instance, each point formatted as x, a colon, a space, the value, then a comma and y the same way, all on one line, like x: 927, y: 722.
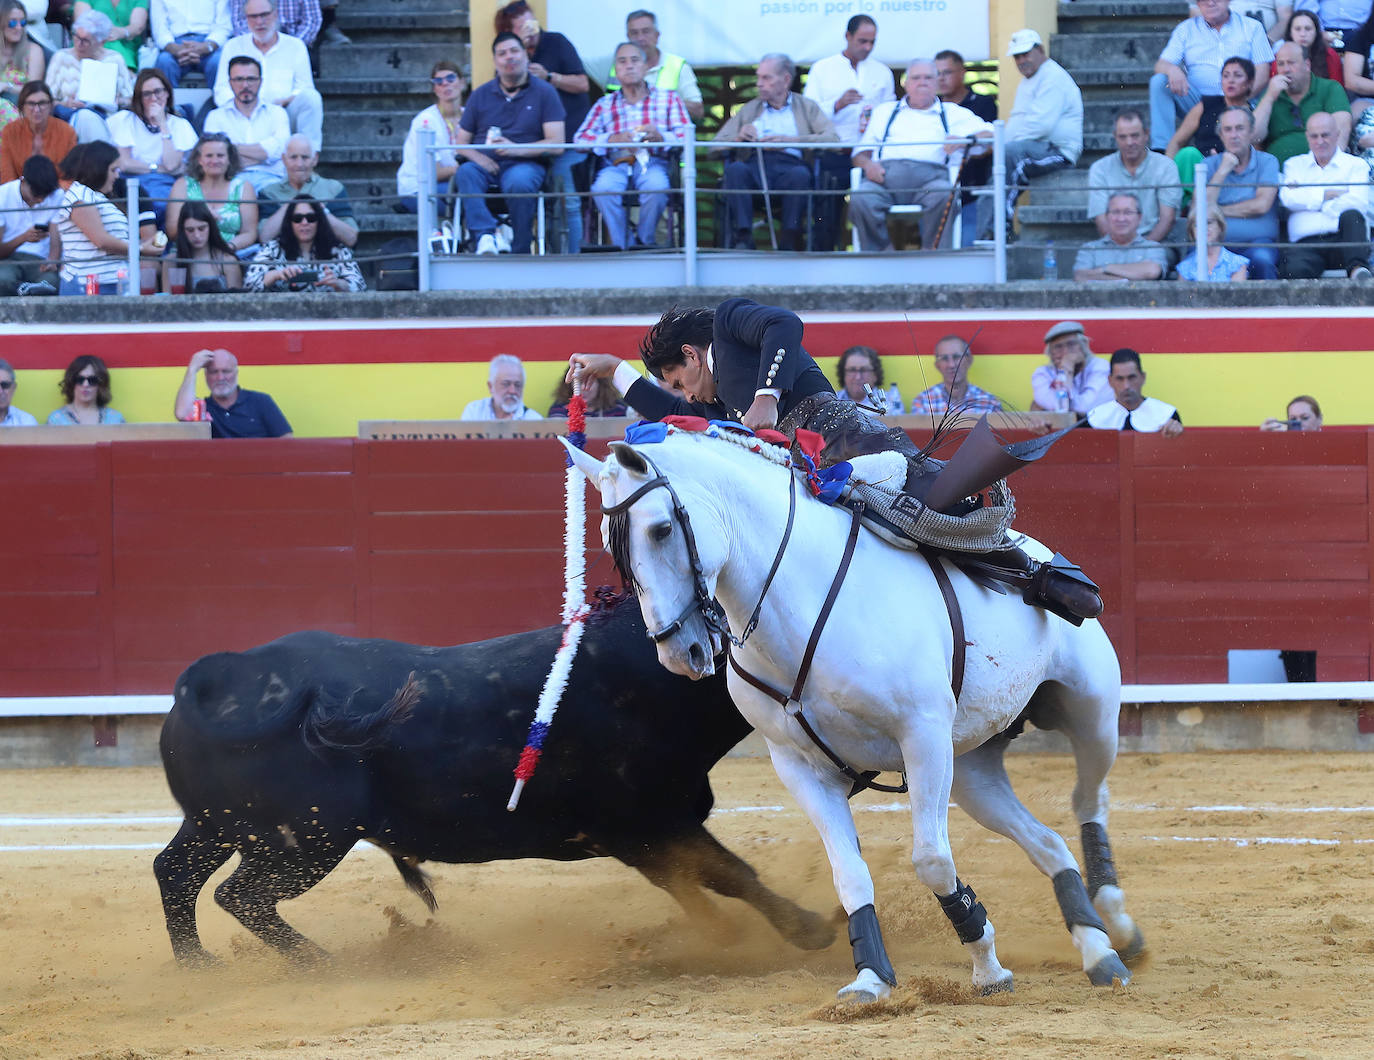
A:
x: 658, y: 552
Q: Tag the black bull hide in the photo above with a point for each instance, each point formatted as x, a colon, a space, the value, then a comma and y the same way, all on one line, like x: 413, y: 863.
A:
x: 292, y: 752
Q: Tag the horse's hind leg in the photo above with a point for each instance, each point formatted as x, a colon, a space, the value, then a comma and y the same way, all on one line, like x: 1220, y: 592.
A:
x: 182, y: 869
x: 266, y: 876
x: 983, y: 791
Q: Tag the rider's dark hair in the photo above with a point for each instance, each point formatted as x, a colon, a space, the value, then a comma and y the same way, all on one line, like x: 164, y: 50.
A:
x: 662, y: 344
x: 1126, y: 355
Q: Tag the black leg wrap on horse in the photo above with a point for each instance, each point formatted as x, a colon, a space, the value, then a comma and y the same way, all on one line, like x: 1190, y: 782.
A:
x: 867, y: 939
x: 965, y: 912
x: 1074, y: 902
x: 1097, y: 858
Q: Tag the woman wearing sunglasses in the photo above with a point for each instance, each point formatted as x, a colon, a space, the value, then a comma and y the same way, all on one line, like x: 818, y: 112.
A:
x: 86, y: 387
x: 442, y: 120
x: 305, y: 256
x: 21, y: 59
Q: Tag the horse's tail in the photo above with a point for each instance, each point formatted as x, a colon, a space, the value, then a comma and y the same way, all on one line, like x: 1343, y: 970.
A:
x: 418, y: 880
x: 330, y: 727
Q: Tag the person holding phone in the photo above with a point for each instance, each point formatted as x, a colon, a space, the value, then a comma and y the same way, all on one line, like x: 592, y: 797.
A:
x: 1303, y: 414
x: 306, y: 255
x: 27, y: 208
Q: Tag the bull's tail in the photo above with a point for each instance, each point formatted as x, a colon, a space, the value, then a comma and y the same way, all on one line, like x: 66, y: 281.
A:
x: 417, y: 879
x: 328, y: 728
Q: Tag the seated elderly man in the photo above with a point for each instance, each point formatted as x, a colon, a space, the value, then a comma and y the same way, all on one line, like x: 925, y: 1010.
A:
x: 1244, y: 182
x: 1148, y: 175
x: 10, y: 416
x: 775, y: 115
x: 953, y: 359
x: 905, y: 155
x: 300, y: 159
x: 285, y: 63
x: 1293, y: 96
x: 1123, y: 253
x: 505, y: 398
x: 1075, y: 378
x: 1326, y: 194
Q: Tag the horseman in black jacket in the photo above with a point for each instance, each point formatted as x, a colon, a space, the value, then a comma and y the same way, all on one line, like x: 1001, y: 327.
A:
x: 745, y: 362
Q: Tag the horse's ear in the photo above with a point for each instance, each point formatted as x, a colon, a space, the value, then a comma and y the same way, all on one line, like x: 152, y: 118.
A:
x: 629, y: 459
x: 587, y: 464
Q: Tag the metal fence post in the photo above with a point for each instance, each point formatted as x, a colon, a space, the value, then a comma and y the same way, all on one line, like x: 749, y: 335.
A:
x: 1200, y: 214
x: 424, y: 208
x: 999, y: 201
x: 132, y: 242
x: 689, y: 206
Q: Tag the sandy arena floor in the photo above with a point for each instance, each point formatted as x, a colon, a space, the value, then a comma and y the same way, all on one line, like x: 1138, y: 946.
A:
x: 1251, y: 875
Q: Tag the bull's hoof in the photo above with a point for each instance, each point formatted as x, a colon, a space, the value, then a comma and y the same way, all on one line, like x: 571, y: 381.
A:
x: 1001, y: 986
x: 1134, y: 951
x: 868, y: 987
x: 1109, y: 971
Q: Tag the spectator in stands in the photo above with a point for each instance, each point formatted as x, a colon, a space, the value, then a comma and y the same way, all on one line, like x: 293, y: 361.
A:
x: 85, y: 388
x: 1189, y: 67
x: 28, y: 207
x: 602, y: 401
x: 9, y: 415
x: 1222, y: 265
x: 301, y: 179
x: 152, y: 139
x: 1358, y: 69
x: 927, y: 136
x: 627, y: 120
x: 1343, y: 15
x: 189, y: 35
x: 1045, y: 130
x: 440, y: 118
x: 233, y: 411
x: 1196, y: 137
x: 952, y: 87
x: 1085, y: 373
x: 38, y: 133
x: 953, y: 359
x: 846, y: 86
x: 666, y: 70
x: 860, y: 375
x: 1292, y: 97
x: 505, y: 398
x: 296, y: 18
x: 212, y: 176
x: 554, y: 59
x: 64, y: 78
x: 1132, y: 410
x: 92, y: 230
x: 129, y: 25
x: 21, y: 59
x: 1244, y: 182
x: 775, y: 115
x: 1273, y: 15
x: 284, y: 65
x: 305, y: 255
x: 1146, y: 174
x: 204, y: 262
x: 258, y: 130
x: 1123, y: 253
x: 1304, y: 414
x: 1305, y: 29
x: 511, y: 159
x: 1326, y: 194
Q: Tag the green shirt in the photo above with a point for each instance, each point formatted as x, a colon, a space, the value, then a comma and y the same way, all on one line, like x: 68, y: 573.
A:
x: 323, y: 190
x: 1288, y: 121
x: 120, y: 14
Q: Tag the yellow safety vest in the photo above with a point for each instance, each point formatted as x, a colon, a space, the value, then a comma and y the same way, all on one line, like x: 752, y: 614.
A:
x: 669, y: 72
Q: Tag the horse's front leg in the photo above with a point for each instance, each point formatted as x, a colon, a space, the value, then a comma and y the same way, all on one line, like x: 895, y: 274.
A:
x: 929, y: 757
x: 824, y: 800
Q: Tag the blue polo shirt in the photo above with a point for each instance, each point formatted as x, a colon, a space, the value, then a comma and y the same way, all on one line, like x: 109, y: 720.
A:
x: 1239, y: 185
x: 520, y: 118
x: 253, y: 415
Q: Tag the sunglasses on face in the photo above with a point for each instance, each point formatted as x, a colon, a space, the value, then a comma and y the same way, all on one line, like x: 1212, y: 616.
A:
x: 87, y: 380
x: 444, y: 79
x: 305, y: 218
x: 15, y: 23
x: 6, y: 384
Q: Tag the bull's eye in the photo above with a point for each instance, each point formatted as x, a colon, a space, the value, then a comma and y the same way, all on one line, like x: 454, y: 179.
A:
x: 660, y: 532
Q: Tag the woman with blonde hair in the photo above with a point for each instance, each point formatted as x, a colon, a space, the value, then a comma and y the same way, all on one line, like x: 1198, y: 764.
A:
x: 1222, y: 265
x: 21, y: 59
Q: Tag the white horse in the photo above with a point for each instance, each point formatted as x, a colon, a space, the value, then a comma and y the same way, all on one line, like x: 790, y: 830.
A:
x: 695, y: 517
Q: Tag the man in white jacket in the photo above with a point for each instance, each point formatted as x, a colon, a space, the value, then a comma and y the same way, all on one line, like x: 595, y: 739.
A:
x: 1326, y: 194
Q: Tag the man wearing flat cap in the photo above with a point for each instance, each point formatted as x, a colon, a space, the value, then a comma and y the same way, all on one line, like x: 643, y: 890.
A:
x: 1086, y: 375
x: 1045, y: 130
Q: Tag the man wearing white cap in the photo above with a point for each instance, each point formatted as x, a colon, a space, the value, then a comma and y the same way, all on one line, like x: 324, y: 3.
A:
x: 1045, y: 130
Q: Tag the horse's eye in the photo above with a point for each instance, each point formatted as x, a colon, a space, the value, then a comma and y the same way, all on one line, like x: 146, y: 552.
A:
x: 661, y: 532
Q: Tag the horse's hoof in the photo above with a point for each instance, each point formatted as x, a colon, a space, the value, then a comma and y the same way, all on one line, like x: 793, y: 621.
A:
x: 812, y: 932
x: 867, y: 988
x: 1001, y: 986
x: 198, y: 959
x: 1134, y: 951
x: 1109, y: 971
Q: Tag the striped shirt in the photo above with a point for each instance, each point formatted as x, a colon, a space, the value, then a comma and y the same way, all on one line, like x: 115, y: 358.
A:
x: 935, y: 401
x: 1201, y: 50
x: 661, y: 108
x: 81, y: 257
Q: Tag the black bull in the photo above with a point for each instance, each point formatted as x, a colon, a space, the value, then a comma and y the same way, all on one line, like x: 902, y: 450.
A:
x: 292, y: 752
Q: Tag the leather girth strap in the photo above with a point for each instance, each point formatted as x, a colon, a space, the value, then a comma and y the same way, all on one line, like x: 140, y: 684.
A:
x: 956, y: 623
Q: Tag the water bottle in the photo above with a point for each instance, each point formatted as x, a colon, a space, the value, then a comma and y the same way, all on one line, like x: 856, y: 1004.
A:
x: 1061, y: 391
x: 894, y: 401
x: 1051, y: 265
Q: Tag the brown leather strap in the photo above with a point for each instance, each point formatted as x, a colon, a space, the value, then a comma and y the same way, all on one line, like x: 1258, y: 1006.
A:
x: 956, y: 622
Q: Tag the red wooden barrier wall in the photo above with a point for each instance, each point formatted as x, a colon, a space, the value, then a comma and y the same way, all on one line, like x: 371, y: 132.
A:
x: 122, y: 563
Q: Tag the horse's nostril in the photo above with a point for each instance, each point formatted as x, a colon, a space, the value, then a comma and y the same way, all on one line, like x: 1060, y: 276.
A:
x: 697, y: 657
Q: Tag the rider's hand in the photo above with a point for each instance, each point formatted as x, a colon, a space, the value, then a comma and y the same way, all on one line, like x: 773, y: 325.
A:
x: 762, y: 414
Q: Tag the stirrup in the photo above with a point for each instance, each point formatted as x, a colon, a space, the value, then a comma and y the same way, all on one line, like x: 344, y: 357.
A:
x: 1062, y: 589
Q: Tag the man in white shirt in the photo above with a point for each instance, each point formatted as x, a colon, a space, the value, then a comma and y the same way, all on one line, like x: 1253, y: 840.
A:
x: 1132, y: 410
x: 905, y: 156
x: 27, y: 207
x: 189, y: 35
x: 1326, y: 193
x: 9, y: 415
x: 1045, y: 130
x: 505, y: 398
x: 846, y: 87
x: 258, y: 130
x: 286, y: 78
